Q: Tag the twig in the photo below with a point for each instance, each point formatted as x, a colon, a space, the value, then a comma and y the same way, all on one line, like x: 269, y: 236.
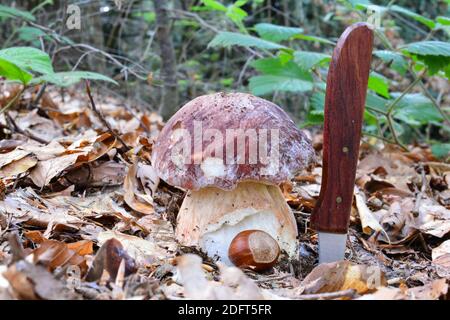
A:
x: 383, y: 139
x: 102, y: 119
x: 17, y: 129
x: 408, y: 89
x: 107, y: 55
x: 349, y: 293
x: 38, y: 96
x: 210, y: 27
x: 435, y: 103
x: 421, y: 193
x: 17, y: 251
x: 13, y: 100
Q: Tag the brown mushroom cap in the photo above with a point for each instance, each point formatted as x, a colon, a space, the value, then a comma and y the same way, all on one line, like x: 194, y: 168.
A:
x: 207, y: 162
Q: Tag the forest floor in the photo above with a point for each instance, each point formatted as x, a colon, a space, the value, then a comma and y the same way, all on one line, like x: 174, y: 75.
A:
x: 83, y: 216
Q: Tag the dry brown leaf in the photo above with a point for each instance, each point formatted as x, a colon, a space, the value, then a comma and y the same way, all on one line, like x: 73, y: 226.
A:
x: 149, y: 179
x: 44, y: 152
x: 18, y: 167
x: 41, y: 127
x: 8, y: 145
x: 433, y: 218
x: 26, y: 206
x: 48, y: 169
x: 398, y: 222
x: 54, y: 254
x: 441, y: 258
x: 108, y: 173
x: 133, y: 197
x: 235, y: 284
x: 143, y: 251
x: 342, y: 275
x: 431, y: 291
x: 369, y: 222
x: 108, y: 258
x: 398, y: 168
x: 99, y: 148
x: 34, y: 282
x: 35, y: 236
x: 16, y: 154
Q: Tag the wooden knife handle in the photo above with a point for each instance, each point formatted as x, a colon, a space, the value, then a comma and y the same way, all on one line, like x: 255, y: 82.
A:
x: 344, y: 107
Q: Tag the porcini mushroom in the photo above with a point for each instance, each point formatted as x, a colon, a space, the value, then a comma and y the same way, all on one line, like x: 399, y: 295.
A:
x: 231, y: 151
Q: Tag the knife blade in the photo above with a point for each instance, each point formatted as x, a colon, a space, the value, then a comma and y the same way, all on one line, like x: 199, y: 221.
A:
x: 343, y: 116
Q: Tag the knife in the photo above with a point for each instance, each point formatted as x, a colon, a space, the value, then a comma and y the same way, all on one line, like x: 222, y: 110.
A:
x: 344, y: 107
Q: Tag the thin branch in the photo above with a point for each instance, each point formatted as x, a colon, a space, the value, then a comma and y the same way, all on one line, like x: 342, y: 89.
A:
x: 434, y: 102
x: 406, y: 91
x: 349, y: 293
x: 102, y: 119
x: 387, y: 140
x: 27, y: 133
x: 390, y: 122
x: 13, y: 100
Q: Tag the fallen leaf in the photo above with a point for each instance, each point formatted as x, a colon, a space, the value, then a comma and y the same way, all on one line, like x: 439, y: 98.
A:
x: 48, y: 169
x: 342, y: 275
x: 368, y: 221
x: 235, y: 285
x: 441, y: 257
x: 16, y: 154
x: 108, y: 258
x: 17, y: 167
x: 133, y: 197
x: 54, y: 254
x: 24, y: 205
x: 149, y: 179
x: 431, y: 291
x: 108, y: 173
x: 141, y: 250
x: 33, y: 282
x: 35, y: 236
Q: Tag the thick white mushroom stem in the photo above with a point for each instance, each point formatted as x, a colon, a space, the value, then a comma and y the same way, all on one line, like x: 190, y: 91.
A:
x: 211, y: 217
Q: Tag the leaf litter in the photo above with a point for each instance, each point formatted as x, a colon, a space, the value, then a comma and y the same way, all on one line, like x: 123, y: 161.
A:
x: 84, y: 217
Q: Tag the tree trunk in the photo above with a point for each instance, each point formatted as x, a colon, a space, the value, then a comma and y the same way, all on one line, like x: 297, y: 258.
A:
x: 168, y: 69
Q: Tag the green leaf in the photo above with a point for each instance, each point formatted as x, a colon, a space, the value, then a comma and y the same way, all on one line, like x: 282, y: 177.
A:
x: 416, y: 110
x: 274, y: 66
x: 441, y: 150
x: 15, y: 13
x: 12, y: 72
x: 285, y: 56
x: 276, y: 33
x: 312, y: 39
x: 308, y: 59
x: 432, y: 48
x: 27, y: 58
x: 30, y: 33
x: 396, y: 60
x: 419, y: 18
x: 214, y: 5
x: 260, y: 85
x: 64, y: 79
x: 376, y: 102
x: 316, y: 109
x: 360, y: 4
x: 240, y: 3
x: 445, y: 21
x: 228, y: 39
x: 435, y: 54
x: 315, y: 113
x: 279, y: 77
x: 379, y: 84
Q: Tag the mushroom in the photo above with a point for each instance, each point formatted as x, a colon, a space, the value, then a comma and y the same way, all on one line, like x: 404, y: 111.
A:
x: 231, y: 151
